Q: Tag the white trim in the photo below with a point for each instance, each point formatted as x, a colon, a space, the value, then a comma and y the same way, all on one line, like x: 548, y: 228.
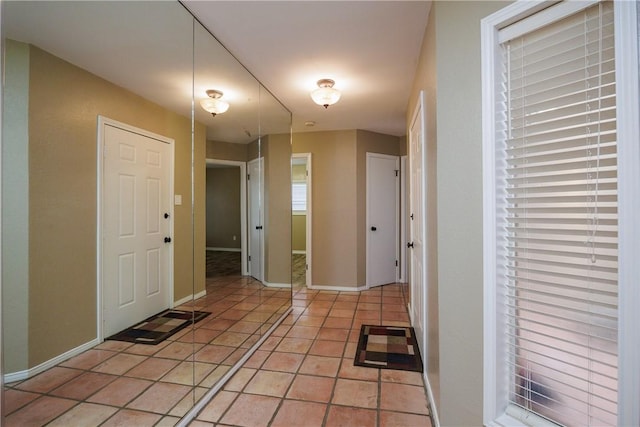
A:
x: 190, y: 298
x: 433, y: 409
x: 338, y: 288
x: 402, y: 246
x: 628, y: 114
x: 243, y: 209
x: 101, y: 123
x: 299, y: 252
x: 260, y: 166
x: 309, y: 221
x: 193, y: 412
x: 276, y: 285
x: 28, y: 373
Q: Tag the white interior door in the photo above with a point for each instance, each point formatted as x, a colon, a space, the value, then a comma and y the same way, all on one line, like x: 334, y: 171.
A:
x: 136, y: 226
x: 417, y: 225
x: 256, y: 219
x: 382, y: 219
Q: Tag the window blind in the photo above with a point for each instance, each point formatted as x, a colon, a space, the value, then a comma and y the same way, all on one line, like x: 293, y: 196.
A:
x: 559, y: 221
x: 299, y: 196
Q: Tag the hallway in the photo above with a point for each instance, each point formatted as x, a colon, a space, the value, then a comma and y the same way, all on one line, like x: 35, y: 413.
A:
x: 302, y: 375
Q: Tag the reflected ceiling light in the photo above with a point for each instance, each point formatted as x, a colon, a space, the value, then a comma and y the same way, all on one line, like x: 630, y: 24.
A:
x: 325, y: 95
x: 214, y: 104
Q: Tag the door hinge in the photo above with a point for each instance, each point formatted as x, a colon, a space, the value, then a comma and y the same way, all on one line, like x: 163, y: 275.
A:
x: 396, y: 263
x: 249, y: 257
x: 248, y: 177
x: 306, y: 266
x: 397, y: 172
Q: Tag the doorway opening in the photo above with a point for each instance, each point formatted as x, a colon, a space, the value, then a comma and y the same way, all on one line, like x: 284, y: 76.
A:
x: 226, y: 218
x: 301, y: 220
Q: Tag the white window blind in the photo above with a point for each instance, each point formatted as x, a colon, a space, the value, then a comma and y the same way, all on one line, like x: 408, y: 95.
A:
x: 299, y: 196
x: 558, y: 220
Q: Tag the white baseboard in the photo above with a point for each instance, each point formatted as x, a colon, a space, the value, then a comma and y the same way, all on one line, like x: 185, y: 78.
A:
x: 190, y: 298
x: 433, y: 410
x: 223, y: 249
x: 299, y: 252
x: 28, y: 373
x: 276, y: 285
x: 338, y: 288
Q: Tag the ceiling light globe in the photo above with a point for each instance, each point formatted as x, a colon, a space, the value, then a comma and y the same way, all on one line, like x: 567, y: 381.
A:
x: 325, y: 95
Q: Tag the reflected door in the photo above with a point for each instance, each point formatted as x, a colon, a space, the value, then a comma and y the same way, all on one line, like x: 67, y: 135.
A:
x: 417, y: 222
x: 136, y: 233
x: 382, y: 216
x: 256, y: 227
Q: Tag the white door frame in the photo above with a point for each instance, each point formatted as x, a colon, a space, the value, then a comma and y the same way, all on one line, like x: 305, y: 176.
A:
x: 260, y: 201
x: 243, y: 207
x: 419, y: 114
x: 309, y: 228
x: 402, y: 247
x: 102, y: 122
x: 368, y: 214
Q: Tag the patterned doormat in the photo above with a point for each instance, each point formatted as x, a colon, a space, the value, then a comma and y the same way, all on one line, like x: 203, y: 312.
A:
x: 158, y: 328
x: 388, y: 347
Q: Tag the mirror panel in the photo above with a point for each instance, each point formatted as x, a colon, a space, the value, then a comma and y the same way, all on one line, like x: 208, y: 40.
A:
x: 144, y: 65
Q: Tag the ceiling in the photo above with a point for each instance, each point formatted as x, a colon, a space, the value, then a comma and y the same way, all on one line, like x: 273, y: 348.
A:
x: 370, y: 49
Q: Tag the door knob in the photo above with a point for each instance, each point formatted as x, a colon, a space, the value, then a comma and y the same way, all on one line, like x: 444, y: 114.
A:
x: 166, y: 215
x: 259, y: 227
x: 410, y: 245
x: 167, y: 239
x: 374, y: 228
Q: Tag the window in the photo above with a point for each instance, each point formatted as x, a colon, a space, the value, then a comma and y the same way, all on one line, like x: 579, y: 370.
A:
x: 299, y: 197
x: 552, y: 235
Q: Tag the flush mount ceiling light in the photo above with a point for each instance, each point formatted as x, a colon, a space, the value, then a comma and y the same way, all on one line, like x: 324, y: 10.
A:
x: 325, y: 95
x: 214, y: 104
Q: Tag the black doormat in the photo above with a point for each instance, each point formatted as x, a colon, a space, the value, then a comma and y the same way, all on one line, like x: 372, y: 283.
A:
x: 388, y: 347
x: 158, y: 328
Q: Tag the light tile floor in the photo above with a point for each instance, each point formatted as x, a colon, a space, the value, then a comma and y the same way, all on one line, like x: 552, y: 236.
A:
x: 302, y: 375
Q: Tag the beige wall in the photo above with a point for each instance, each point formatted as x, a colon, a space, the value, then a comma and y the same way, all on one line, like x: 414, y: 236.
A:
x: 15, y: 206
x: 223, y: 207
x: 276, y: 150
x: 227, y: 151
x: 299, y: 233
x: 64, y: 104
x: 450, y: 73
x: 339, y: 201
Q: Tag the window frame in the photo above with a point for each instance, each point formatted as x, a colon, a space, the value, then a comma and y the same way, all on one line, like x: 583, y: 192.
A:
x: 495, y: 371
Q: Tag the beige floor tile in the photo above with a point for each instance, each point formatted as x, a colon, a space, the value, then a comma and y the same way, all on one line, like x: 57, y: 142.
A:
x: 333, y: 334
x: 213, y: 353
x: 39, y: 412
x: 284, y: 362
x: 257, y: 359
x: 88, y: 359
x: 402, y: 377
x: 49, y: 379
x: 350, y: 371
x: 293, y: 413
x: 120, y: 392
x: 218, y: 405
x: 128, y: 418
x: 327, y: 348
x: 188, y: 373
x: 338, y: 322
x: 119, y: 364
x: 159, y: 398
x: 341, y: 416
x: 178, y: 350
x: 294, y: 345
x: 84, y: 414
x: 251, y: 411
x: 403, y: 398
x: 394, y: 419
x: 269, y: 383
x: 361, y: 394
x: 152, y: 368
x: 83, y: 386
x: 311, y: 388
x: 240, y: 379
x: 15, y: 399
x: 320, y: 365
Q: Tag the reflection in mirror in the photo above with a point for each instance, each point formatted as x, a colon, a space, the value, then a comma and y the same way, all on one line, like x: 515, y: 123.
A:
x: 68, y: 87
